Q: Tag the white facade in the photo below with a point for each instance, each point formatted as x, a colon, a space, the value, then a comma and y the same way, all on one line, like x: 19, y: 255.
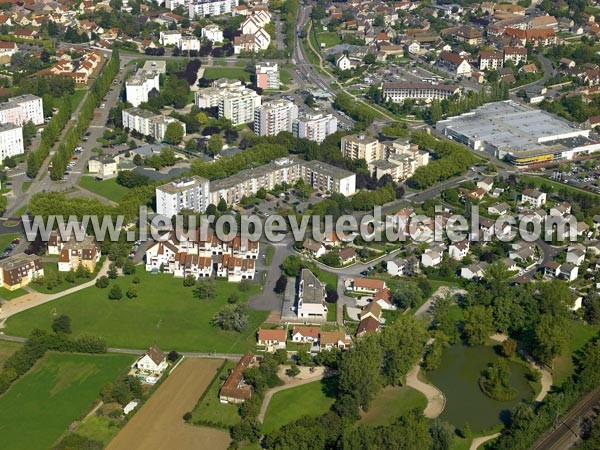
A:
x: 315, y: 127
x: 11, y: 141
x: 213, y: 34
x: 204, y: 8
x: 239, y: 105
x: 274, y: 117
x: 22, y: 109
x: 147, y: 123
x: 172, y: 4
x: 170, y: 37
x: 267, y: 76
x: 187, y: 193
x: 139, y: 86
x: 189, y: 43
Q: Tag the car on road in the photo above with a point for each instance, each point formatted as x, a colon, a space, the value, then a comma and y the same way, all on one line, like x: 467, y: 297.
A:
x: 364, y: 273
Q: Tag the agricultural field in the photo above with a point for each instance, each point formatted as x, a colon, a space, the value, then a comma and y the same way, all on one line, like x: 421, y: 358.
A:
x: 159, y: 423
x: 56, y: 391
x: 164, y: 313
x: 109, y: 189
x: 312, y: 399
x: 391, y: 403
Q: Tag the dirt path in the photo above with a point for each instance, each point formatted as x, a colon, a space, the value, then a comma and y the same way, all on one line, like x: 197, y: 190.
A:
x: 34, y: 298
x: 159, y: 423
x: 302, y: 378
x: 478, y: 441
x: 436, y: 401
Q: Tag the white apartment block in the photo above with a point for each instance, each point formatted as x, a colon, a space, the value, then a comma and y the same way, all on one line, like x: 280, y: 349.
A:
x: 11, y: 141
x: 267, y: 75
x: 212, y: 33
x: 188, y: 43
x: 398, y: 92
x: 187, y: 193
x: 315, y: 127
x: 172, y: 4
x: 491, y: 60
x: 22, y: 109
x: 170, y: 37
x: 204, y: 8
x: 139, y: 86
x: 360, y: 146
x: 401, y: 160
x: 274, y: 117
x: 238, y: 105
x: 210, y: 97
x: 147, y: 123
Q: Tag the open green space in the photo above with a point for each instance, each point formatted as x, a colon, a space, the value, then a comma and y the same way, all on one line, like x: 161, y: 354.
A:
x: 457, y: 377
x: 210, y: 409
x: 109, y: 189
x: 76, y: 97
x: 391, y: 403
x: 312, y: 399
x: 11, y: 295
x: 328, y: 38
x: 7, y: 348
x: 285, y: 77
x: 164, y: 313
x: 581, y: 333
x: 99, y: 429
x: 39, y: 407
x: 234, y: 73
x: 6, y: 239
x: 51, y: 270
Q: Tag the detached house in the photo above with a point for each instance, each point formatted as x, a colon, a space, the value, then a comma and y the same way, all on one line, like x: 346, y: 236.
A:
x: 367, y: 285
x: 154, y: 362
x: 534, y: 197
x: 454, y: 64
x: 305, y: 334
x: 271, y: 339
x: 235, y: 390
x: 458, y: 250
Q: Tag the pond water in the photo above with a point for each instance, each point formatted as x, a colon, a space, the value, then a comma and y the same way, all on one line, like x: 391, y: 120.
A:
x: 458, y: 377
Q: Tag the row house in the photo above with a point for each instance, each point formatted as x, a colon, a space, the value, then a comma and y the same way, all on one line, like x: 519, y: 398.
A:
x: 186, y: 264
x: 235, y: 269
x: 537, y: 36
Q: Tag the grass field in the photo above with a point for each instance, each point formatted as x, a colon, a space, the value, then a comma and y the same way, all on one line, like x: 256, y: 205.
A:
x: 76, y: 97
x: 36, y: 411
x: 164, y: 313
x: 211, y: 409
x: 331, y: 312
x: 391, y: 403
x: 10, y: 295
x: 581, y: 333
x: 109, y: 189
x: 7, y: 348
x: 6, y: 239
x: 312, y: 399
x: 52, y: 267
x: 285, y: 77
x: 234, y: 73
x: 99, y: 429
x: 328, y: 38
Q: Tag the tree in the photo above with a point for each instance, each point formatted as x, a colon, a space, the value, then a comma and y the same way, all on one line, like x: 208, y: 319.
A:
x: 128, y: 267
x: 222, y: 206
x: 62, y: 324
x: 102, y: 282
x: 189, y: 281
x: 173, y: 356
x: 205, y: 290
x: 112, y: 271
x: 115, y: 293
x: 551, y: 335
x: 231, y: 317
x: 132, y: 291
x: 442, y: 435
x: 303, y: 357
x: 234, y: 297
x: 478, y: 324
x: 509, y: 346
x: 292, y: 371
x: 436, y: 111
x: 174, y: 133
x: 495, y: 381
x: 280, y: 285
x: 215, y: 144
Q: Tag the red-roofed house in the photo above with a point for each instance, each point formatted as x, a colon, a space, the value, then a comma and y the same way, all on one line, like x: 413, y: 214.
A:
x: 454, y: 64
x: 271, y: 339
x: 367, y: 285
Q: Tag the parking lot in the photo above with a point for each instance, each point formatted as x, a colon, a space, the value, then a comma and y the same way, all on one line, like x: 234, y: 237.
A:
x: 271, y: 204
x: 582, y: 174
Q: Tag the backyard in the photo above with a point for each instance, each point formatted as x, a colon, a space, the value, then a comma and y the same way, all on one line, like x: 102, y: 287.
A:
x: 109, y: 189
x: 312, y: 399
x: 164, y: 313
x: 56, y: 391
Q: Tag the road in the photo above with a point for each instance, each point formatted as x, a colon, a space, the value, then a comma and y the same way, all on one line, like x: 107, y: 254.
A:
x: 567, y: 431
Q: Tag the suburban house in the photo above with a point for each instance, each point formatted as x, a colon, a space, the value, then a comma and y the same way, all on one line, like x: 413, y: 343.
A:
x: 569, y: 272
x: 271, y: 339
x: 473, y: 271
x: 104, y: 166
x: 395, y: 268
x: 576, y: 255
x: 371, y: 310
x: 454, y: 64
x: 384, y: 299
x: 235, y: 390
x: 486, y: 184
x: 19, y: 270
x: 330, y: 339
x: 431, y: 258
x: 189, y: 264
x: 235, y: 269
x: 160, y: 256
x: 367, y: 325
x: 367, y: 285
x: 305, y: 334
x: 314, y: 248
x: 75, y: 253
x: 499, y: 209
x: 458, y: 250
x: 311, y: 296
x: 534, y: 197
x: 153, y: 362
x: 347, y: 256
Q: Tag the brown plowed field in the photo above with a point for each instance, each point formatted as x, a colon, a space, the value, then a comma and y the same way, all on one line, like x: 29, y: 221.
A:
x: 159, y: 424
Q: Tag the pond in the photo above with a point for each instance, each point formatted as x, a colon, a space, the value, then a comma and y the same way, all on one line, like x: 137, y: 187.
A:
x: 458, y: 377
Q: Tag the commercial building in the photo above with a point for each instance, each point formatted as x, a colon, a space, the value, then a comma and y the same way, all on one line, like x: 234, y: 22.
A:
x: 314, y: 127
x: 360, y: 146
x: 147, y: 78
x: 22, y: 109
x: 274, y: 117
x: 204, y: 8
x: 187, y: 193
x: 147, y: 123
x: 11, y: 141
x: 267, y: 75
x: 398, y: 92
x: 519, y: 133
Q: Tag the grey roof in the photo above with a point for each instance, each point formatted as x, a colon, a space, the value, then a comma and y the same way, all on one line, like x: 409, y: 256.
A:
x: 312, y: 290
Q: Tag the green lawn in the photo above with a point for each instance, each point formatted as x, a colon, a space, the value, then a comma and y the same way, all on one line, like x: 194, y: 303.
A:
x: 328, y: 38
x: 39, y: 408
x: 164, y: 313
x: 312, y: 399
x: 581, y: 333
x: 6, y: 239
x: 76, y: 97
x: 25, y: 185
x: 10, y: 295
x: 22, y: 210
x: 331, y: 312
x: 391, y: 403
x: 235, y: 73
x: 211, y: 409
x: 51, y: 268
x: 109, y: 189
x: 7, y: 348
x: 285, y: 77
x: 99, y: 429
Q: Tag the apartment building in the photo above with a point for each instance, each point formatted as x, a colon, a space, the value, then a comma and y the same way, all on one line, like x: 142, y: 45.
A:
x: 267, y: 75
x: 238, y: 105
x: 314, y: 127
x: 169, y: 37
x: 401, y: 160
x: 212, y: 33
x: 11, y: 141
x: 210, y: 97
x: 252, y: 43
x: 515, y: 54
x: 22, y: 109
x: 235, y: 269
x: 274, y: 117
x: 454, y: 64
x: 187, y: 193
x: 205, y: 8
x: 327, y: 178
x: 19, y: 270
x: 188, y: 43
x: 139, y: 86
x: 491, y: 60
x: 75, y: 253
x: 360, y: 146
x: 147, y: 123
x: 398, y: 92
x: 311, y: 297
